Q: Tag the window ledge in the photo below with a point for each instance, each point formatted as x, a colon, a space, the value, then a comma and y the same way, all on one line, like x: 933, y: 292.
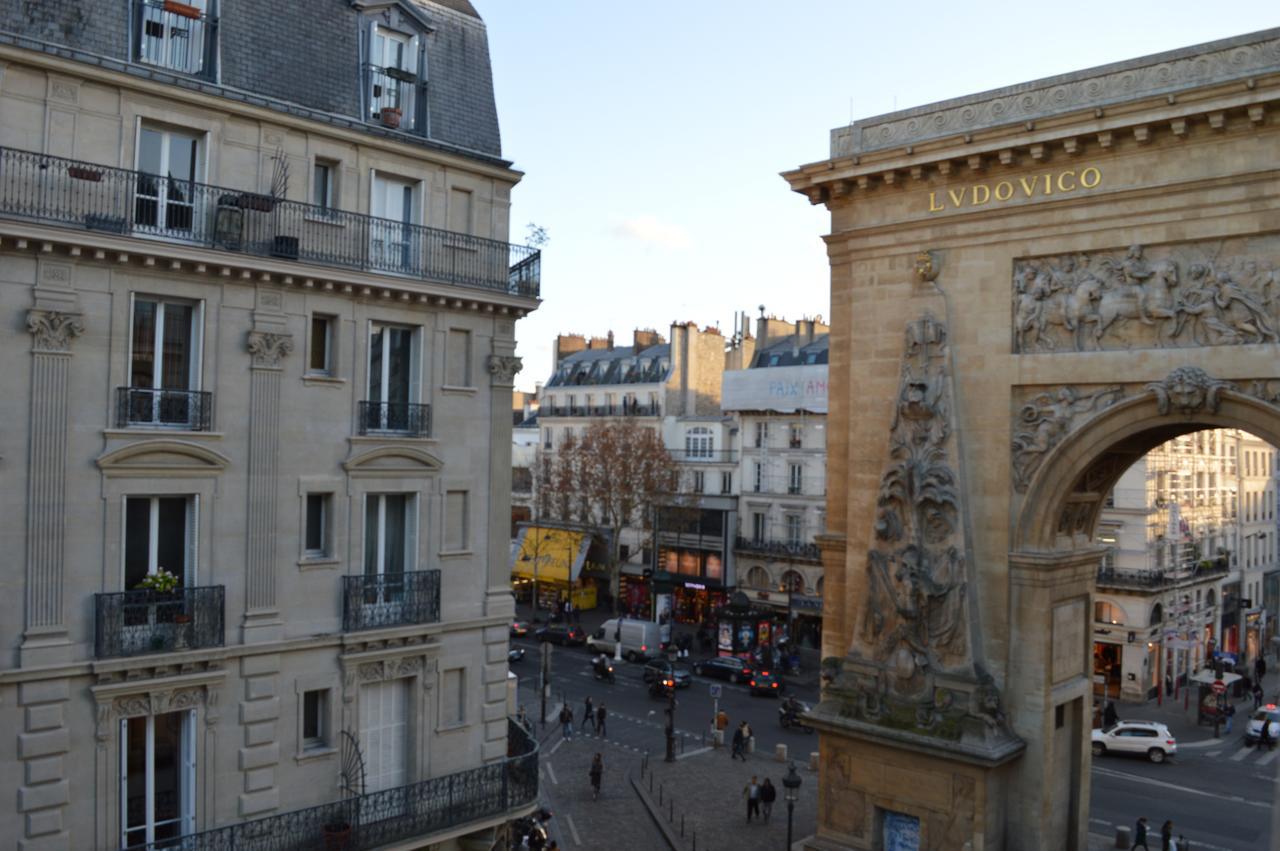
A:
x: 323, y: 380
x: 312, y: 754
x: 455, y: 553
x: 318, y: 563
x: 160, y: 431
x: 390, y: 438
x: 452, y: 728
x: 458, y: 390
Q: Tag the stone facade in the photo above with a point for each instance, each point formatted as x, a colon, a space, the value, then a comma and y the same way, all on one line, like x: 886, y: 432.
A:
x: 251, y: 469
x: 962, y: 214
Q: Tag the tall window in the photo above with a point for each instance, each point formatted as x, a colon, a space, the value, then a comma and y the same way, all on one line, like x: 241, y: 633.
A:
x: 794, y: 478
x: 315, y: 720
x: 320, y: 357
x: 157, y: 777
x: 796, y: 440
x: 389, y: 533
x: 699, y: 443
x: 793, y: 529
x: 164, y: 363
x: 322, y: 184
x: 159, y: 533
x: 699, y: 481
x: 726, y: 482
x: 393, y: 239
x: 178, y: 41
x: 393, y: 376
x: 762, y: 434
x: 169, y: 162
x: 393, y: 60
x: 318, y: 523
x: 757, y: 527
x: 759, y: 476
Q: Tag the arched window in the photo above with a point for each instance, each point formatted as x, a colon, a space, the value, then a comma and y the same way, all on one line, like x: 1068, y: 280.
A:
x: 1210, y: 599
x: 758, y: 577
x: 817, y: 589
x: 699, y: 442
x: 793, y: 582
x: 1104, y: 612
x: 1157, y: 614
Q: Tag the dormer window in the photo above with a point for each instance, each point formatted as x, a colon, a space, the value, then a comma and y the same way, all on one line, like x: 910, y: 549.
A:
x: 177, y: 36
x: 395, y: 68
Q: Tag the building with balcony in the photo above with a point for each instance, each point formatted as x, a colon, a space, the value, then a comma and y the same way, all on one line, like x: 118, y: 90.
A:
x: 257, y: 433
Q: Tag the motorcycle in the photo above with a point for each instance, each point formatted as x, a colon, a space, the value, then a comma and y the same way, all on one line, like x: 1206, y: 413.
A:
x: 603, y: 672
x: 789, y: 715
x: 514, y: 654
x: 662, y: 687
x: 531, y: 831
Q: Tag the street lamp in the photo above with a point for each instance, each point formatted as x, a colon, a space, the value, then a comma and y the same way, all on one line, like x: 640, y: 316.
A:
x: 792, y: 782
x: 670, y: 685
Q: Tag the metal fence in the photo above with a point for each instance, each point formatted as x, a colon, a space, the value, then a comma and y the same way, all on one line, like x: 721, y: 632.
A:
x: 707, y: 456
x: 133, y: 623
x: 399, y: 417
x: 633, y: 409
x: 372, y: 601
x: 388, y: 816
x: 779, y: 549
x: 189, y: 409
x: 177, y: 36
x: 95, y: 197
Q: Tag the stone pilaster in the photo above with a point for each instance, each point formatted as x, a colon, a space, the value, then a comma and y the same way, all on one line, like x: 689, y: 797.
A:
x: 502, y: 366
x: 268, y: 351
x: 53, y: 324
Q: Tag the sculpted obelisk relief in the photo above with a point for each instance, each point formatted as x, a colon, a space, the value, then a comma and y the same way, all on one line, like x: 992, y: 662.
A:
x: 915, y: 662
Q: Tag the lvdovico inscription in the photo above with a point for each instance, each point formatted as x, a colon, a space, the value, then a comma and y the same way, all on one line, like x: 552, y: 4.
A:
x: 1029, y: 186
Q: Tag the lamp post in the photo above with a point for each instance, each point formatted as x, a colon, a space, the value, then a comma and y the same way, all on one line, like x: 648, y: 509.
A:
x: 792, y: 782
x: 670, y: 685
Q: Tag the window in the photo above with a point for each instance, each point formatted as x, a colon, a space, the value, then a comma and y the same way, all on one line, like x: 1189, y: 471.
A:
x: 389, y: 533
x: 1108, y: 613
x: 453, y: 709
x: 726, y: 482
x: 157, y: 777
x: 757, y: 527
x: 759, y: 476
x: 456, y: 534
x: 699, y: 481
x: 323, y: 193
x: 546, y: 438
x: 174, y: 40
x: 170, y: 164
x: 317, y: 527
x: 699, y: 443
x: 164, y: 365
x: 159, y: 533
x: 315, y: 719
x: 762, y: 435
x: 393, y: 236
x: 794, y: 480
x: 393, y: 379
x: 393, y: 69
x: 758, y: 577
x: 796, y: 436
x: 457, y: 358
x: 320, y: 356
x: 793, y: 529
x: 793, y: 582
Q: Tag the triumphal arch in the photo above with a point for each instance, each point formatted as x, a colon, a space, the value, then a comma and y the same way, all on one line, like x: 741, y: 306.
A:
x: 1030, y: 289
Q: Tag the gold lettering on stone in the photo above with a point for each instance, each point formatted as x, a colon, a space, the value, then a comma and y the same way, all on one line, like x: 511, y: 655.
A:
x: 1033, y: 186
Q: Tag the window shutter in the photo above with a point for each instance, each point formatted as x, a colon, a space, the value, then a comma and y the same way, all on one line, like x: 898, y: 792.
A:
x: 410, y: 60
x: 411, y: 532
x: 190, y: 573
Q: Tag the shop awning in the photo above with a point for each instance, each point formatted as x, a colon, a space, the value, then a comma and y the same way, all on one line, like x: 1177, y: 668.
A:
x: 1207, y: 677
x: 547, y: 553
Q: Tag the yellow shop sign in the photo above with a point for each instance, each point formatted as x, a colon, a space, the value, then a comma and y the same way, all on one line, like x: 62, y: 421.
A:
x: 1033, y: 186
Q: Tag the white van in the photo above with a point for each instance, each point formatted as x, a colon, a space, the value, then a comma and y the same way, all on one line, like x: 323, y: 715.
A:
x: 641, y: 640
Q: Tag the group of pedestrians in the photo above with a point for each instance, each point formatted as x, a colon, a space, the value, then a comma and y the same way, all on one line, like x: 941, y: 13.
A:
x: 760, y: 798
x: 1167, y: 842
x: 593, y: 714
x: 741, y: 737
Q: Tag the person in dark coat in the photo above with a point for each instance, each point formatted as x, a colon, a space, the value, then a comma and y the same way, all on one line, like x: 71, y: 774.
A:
x: 768, y: 794
x: 596, y: 772
x: 600, y: 716
x: 1166, y: 835
x: 588, y: 715
x: 1140, y: 835
x: 739, y: 744
x: 1259, y: 668
x: 1109, y: 715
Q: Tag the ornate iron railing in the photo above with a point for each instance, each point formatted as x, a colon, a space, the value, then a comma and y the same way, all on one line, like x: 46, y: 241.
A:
x: 404, y: 813
x: 779, y: 549
x: 706, y: 456
x: 623, y: 410
x: 1124, y: 578
x: 400, y: 417
x: 177, y: 36
x: 396, y: 91
x: 133, y: 623
x: 78, y: 194
x: 372, y: 601
x: 188, y: 409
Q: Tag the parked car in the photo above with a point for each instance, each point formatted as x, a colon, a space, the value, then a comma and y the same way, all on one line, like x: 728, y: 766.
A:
x: 559, y: 633
x: 1269, y: 714
x: 1146, y: 738
x: 661, y: 669
x: 729, y: 668
x: 640, y: 639
x: 765, y: 682
x: 519, y: 629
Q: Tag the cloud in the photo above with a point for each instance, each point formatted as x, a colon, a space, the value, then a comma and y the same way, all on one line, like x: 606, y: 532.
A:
x: 654, y: 231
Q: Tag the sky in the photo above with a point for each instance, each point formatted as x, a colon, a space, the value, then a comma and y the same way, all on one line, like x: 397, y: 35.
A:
x: 652, y: 134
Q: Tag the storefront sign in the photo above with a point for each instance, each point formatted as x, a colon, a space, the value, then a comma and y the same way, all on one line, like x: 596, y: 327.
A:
x: 696, y: 586
x: 1034, y: 186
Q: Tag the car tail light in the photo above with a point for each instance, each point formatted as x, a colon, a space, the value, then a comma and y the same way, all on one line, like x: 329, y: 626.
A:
x: 642, y: 647
x: 764, y: 673
x: 753, y: 682
x: 775, y: 685
x: 1170, y: 742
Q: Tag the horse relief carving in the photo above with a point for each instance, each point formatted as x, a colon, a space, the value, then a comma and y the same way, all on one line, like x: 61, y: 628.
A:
x: 1138, y: 299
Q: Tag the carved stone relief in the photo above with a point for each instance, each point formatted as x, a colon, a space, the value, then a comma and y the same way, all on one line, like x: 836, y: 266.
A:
x: 1198, y: 294
x: 268, y: 350
x: 1044, y: 419
x: 53, y: 330
x: 503, y: 368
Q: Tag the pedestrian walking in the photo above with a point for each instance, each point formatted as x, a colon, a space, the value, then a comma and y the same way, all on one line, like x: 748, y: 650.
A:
x: 1109, y: 715
x: 600, y: 716
x: 588, y: 715
x: 1166, y: 835
x: 566, y: 721
x: 1140, y: 835
x: 596, y: 772
x: 746, y: 740
x: 1257, y: 695
x: 752, y: 793
x: 1259, y: 668
x: 1229, y: 713
x: 1264, y: 738
x: 768, y: 794
x: 739, y: 743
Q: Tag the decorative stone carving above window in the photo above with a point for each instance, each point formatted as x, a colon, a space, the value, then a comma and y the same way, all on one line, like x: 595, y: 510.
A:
x: 269, y: 350
x: 130, y: 692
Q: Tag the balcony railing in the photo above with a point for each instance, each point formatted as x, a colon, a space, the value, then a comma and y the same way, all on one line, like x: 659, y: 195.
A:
x: 144, y: 406
x: 133, y: 623
x: 177, y: 36
x: 1123, y: 578
x: 392, y: 90
x: 623, y: 410
x: 374, y: 601
x: 706, y: 456
x: 794, y: 550
x: 396, y: 417
x: 388, y: 817
x: 82, y: 195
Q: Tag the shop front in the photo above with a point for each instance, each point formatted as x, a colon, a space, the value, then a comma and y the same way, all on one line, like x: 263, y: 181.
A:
x: 743, y: 626
x: 549, y: 566
x: 635, y: 598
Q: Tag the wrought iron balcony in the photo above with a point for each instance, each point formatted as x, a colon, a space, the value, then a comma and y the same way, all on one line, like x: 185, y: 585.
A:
x: 177, y: 36
x: 1112, y: 577
x: 133, y: 623
x: 627, y: 409
x: 76, y: 194
x: 404, y: 418
x: 374, y: 601
x: 390, y: 817
x: 792, y: 550
x: 705, y: 456
x: 144, y: 406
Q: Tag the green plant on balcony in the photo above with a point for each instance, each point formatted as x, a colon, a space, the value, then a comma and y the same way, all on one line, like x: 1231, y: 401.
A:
x: 161, y: 582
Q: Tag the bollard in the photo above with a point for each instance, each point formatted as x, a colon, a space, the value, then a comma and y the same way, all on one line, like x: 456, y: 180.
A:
x: 780, y: 752
x: 717, y: 738
x: 751, y: 744
x: 813, y: 760
x: 1122, y: 837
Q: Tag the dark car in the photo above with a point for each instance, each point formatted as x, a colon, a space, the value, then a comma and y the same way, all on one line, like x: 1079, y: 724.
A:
x: 765, y: 682
x: 519, y: 629
x: 662, y: 669
x: 558, y: 633
x: 729, y: 668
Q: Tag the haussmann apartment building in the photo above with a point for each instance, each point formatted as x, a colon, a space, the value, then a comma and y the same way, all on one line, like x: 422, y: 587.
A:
x: 258, y: 348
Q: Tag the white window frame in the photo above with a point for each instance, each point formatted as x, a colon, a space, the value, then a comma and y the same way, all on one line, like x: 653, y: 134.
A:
x: 795, y: 479
x: 415, y: 361
x: 191, y: 533
x: 197, y: 339
x: 410, y: 531
x: 188, y: 766
x: 329, y: 203
x: 199, y: 174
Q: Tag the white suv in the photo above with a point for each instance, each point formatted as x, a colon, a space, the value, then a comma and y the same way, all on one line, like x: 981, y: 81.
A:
x: 1253, y: 733
x: 1136, y: 737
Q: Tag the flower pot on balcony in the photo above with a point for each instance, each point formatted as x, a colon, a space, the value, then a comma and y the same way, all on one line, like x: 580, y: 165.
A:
x: 184, y: 9
x: 255, y: 201
x: 79, y: 172
x: 337, y: 836
x: 391, y: 116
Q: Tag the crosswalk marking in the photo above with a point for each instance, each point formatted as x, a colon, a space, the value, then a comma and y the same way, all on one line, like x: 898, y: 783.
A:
x: 1244, y: 751
x: 1266, y: 760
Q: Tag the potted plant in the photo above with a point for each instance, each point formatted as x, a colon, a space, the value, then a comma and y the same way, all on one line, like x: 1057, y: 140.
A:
x: 337, y: 835
x: 79, y: 172
x: 161, y: 582
x: 391, y: 116
x: 186, y: 10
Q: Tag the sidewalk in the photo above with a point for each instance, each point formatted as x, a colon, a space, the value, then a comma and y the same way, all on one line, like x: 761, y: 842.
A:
x: 1182, y: 721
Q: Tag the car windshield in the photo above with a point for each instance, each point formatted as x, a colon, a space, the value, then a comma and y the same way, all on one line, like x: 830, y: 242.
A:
x: 1267, y: 714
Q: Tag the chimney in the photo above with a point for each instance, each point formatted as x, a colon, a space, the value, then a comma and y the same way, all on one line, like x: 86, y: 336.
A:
x: 598, y: 343
x: 568, y: 344
x: 610, y: 339
x: 643, y: 338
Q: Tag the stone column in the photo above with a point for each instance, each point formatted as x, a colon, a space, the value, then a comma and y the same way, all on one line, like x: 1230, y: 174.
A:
x: 52, y: 330
x: 268, y: 351
x: 502, y: 366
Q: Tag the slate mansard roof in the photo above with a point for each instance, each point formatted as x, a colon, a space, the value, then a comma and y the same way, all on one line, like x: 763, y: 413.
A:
x: 785, y: 353
x: 620, y: 365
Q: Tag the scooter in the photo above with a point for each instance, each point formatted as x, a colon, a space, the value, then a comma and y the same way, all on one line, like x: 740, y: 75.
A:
x: 531, y: 831
x: 789, y: 716
x: 515, y: 654
x: 662, y: 687
x: 603, y: 672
